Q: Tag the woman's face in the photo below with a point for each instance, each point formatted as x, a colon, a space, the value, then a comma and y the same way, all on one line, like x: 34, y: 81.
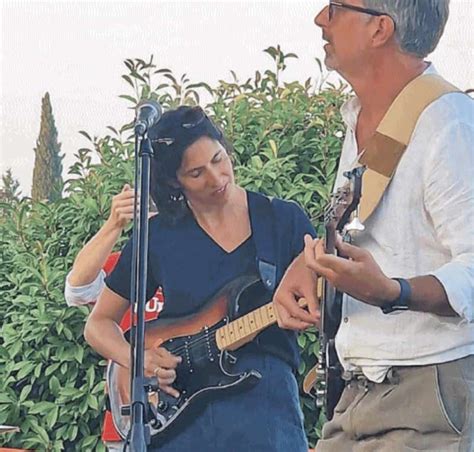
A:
x: 206, y: 175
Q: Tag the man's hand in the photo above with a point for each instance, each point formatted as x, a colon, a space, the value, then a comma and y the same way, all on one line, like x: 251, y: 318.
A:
x: 298, y: 282
x: 356, y: 274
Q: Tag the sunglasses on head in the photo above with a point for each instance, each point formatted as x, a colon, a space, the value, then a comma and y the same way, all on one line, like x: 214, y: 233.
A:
x: 191, y: 119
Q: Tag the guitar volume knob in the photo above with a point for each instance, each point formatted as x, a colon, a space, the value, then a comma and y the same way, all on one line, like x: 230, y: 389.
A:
x: 162, y: 405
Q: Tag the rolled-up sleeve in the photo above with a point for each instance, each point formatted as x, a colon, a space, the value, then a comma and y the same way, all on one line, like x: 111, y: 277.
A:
x: 86, y: 294
x: 449, y: 199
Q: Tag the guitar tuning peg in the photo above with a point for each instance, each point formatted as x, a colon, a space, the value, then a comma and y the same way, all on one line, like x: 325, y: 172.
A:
x: 354, y: 226
x: 358, y: 171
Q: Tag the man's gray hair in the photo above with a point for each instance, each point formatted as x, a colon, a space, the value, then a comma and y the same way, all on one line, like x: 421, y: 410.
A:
x: 419, y: 23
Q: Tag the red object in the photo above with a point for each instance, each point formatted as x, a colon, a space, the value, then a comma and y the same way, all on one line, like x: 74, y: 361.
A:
x: 111, y: 262
x: 153, y: 307
x: 3, y: 449
x: 109, y: 433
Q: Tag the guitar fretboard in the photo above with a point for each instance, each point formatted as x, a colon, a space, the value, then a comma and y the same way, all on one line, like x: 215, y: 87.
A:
x: 245, y: 328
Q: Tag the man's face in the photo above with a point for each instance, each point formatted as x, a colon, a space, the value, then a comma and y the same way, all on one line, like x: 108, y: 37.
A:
x: 347, y: 35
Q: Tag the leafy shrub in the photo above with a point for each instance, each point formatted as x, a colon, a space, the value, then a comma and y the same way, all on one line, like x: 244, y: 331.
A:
x: 287, y: 139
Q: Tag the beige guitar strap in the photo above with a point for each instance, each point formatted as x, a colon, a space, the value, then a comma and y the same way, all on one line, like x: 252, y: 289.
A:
x: 386, y: 147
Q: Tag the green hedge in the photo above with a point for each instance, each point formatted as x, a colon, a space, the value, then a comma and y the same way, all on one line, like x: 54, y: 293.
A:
x: 287, y: 138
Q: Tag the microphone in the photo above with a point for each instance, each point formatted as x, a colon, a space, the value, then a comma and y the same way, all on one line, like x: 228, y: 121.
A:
x: 148, y: 114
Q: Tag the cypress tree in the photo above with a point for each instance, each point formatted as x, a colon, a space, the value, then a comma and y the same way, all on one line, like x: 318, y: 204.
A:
x: 47, y: 172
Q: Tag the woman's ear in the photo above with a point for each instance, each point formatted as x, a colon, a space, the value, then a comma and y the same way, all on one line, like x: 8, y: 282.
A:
x: 173, y: 183
x: 231, y: 157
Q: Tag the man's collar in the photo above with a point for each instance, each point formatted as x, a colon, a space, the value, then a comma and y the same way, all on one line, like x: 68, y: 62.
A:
x: 350, y: 111
x: 351, y: 108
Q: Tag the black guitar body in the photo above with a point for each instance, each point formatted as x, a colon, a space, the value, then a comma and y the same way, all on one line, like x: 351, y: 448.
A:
x: 205, y: 375
x: 205, y: 372
x: 333, y: 378
x: 329, y: 365
x: 329, y: 369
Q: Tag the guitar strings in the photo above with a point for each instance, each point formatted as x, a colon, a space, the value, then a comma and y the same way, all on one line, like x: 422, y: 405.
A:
x: 193, y: 343
x: 214, y: 349
x: 180, y: 350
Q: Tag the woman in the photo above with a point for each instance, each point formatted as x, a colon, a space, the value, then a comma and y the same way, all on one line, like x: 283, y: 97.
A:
x: 203, y: 238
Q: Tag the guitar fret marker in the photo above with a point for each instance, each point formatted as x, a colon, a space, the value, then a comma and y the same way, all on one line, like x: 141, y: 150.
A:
x: 243, y: 329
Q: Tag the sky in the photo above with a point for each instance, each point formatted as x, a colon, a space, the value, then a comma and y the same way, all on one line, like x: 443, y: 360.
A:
x: 75, y: 51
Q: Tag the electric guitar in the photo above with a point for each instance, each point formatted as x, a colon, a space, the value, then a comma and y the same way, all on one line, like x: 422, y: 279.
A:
x: 326, y: 377
x: 204, y: 341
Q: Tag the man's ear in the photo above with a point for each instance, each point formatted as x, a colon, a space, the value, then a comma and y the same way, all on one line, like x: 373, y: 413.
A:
x: 384, y: 32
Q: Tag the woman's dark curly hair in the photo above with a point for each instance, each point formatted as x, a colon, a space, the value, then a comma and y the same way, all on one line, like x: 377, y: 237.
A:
x: 170, y: 137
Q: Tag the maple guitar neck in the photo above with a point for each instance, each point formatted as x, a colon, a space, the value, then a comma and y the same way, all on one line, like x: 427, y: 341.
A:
x: 242, y: 330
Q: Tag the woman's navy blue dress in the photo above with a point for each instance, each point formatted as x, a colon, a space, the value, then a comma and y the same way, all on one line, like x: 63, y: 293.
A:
x: 190, y: 267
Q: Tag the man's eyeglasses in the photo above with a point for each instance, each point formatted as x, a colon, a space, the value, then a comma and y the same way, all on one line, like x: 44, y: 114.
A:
x: 359, y: 9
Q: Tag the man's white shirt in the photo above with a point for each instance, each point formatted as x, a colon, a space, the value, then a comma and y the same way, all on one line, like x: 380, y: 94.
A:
x: 424, y: 225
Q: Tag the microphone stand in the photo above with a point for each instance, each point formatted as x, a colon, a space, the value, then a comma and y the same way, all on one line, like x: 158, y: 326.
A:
x: 139, y: 409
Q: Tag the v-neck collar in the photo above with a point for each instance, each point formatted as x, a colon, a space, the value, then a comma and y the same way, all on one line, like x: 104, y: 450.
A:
x: 241, y: 244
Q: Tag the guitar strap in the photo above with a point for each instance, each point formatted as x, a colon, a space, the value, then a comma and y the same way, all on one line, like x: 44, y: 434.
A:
x: 264, y: 230
x: 264, y: 237
x: 386, y: 147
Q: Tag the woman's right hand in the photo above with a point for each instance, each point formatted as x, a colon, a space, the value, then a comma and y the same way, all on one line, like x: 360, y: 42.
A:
x: 161, y: 363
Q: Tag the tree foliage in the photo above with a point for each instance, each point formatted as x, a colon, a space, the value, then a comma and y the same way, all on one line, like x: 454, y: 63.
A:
x: 287, y: 138
x: 47, y: 172
x: 10, y: 191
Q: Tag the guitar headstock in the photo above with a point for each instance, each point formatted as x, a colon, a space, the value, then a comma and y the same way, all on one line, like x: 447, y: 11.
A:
x: 344, y: 201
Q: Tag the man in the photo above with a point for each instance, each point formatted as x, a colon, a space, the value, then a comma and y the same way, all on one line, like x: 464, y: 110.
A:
x: 409, y: 374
